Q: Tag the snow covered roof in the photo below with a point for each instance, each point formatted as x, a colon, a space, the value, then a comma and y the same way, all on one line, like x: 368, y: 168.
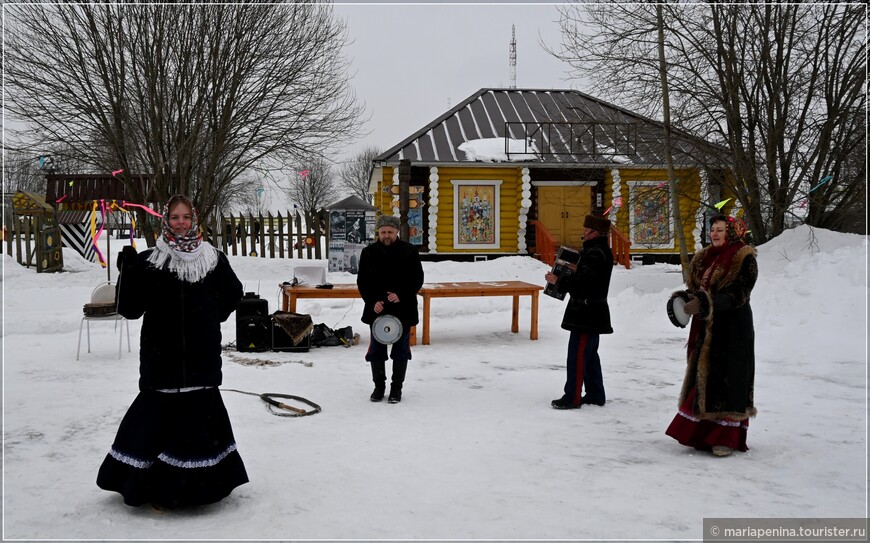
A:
x: 554, y: 127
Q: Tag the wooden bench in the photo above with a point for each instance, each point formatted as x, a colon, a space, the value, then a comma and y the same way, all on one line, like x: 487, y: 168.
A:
x: 515, y: 289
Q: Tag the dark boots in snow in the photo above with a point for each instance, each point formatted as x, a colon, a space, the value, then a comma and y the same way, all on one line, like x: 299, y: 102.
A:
x: 379, y: 376
x: 399, y: 369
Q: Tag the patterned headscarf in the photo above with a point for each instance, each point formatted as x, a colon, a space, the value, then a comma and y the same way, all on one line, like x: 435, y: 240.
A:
x: 735, y: 229
x: 188, y: 242
x: 722, y: 256
x: 188, y: 256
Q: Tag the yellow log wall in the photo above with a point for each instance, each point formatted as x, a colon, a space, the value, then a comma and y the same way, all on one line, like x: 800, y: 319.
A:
x: 510, y: 196
x: 688, y: 186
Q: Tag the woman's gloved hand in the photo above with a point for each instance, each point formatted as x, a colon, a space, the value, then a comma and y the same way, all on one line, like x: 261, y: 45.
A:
x: 127, y: 258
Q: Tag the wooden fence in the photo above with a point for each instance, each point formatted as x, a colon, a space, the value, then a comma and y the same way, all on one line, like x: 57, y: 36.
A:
x: 278, y: 236
x: 21, y: 231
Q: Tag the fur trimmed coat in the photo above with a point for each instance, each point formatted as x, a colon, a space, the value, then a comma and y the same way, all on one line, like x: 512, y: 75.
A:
x: 721, y: 356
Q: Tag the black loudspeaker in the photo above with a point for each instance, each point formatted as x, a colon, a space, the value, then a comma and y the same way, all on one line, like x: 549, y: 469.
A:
x: 253, y: 333
x: 252, y: 304
x: 281, y: 340
x: 253, y: 324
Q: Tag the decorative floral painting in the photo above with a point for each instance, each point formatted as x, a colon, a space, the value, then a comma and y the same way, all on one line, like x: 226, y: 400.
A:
x: 476, y: 212
x: 650, y: 216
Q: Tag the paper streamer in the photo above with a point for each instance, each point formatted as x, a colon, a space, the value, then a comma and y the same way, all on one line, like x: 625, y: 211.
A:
x: 116, y: 172
x: 61, y: 199
x: 721, y: 204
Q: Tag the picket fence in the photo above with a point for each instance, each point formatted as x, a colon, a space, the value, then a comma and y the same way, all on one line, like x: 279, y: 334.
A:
x: 278, y: 236
x: 269, y: 236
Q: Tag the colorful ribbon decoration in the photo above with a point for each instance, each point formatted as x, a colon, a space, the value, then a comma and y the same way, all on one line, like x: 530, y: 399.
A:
x: 96, y: 235
x: 824, y: 180
x: 132, y: 221
x: 616, y: 203
x: 125, y: 203
x: 721, y: 204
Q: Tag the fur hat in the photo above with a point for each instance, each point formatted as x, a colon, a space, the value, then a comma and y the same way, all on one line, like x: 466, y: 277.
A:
x: 601, y: 224
x: 388, y: 220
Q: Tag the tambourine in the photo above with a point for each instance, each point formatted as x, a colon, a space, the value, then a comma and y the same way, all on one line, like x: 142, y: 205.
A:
x: 676, y: 309
x: 387, y: 329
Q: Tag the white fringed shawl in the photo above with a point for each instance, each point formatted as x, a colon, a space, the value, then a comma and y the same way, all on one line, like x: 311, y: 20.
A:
x: 190, y: 267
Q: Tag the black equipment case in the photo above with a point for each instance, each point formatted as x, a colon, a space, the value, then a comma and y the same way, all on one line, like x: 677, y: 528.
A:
x: 253, y: 324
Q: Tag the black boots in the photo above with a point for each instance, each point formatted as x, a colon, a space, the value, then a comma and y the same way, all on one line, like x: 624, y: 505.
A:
x: 565, y: 403
x: 379, y: 376
x: 399, y: 369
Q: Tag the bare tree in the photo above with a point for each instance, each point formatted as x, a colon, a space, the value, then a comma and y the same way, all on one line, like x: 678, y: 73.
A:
x: 669, y: 155
x: 782, y: 85
x: 312, y: 187
x: 192, y: 94
x: 22, y: 171
x: 356, y: 173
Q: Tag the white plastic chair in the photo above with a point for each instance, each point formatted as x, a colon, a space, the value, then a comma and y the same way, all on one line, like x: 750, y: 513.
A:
x: 104, y: 293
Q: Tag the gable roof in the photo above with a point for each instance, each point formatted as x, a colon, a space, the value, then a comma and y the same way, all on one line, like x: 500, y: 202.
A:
x: 561, y: 127
x: 352, y: 202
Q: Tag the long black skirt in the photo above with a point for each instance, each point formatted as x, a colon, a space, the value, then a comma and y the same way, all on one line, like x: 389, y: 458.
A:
x: 174, y: 449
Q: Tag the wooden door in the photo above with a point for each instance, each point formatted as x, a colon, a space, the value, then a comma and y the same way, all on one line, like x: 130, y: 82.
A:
x: 562, y: 210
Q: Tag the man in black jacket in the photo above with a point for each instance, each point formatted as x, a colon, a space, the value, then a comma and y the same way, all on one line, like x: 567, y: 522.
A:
x: 390, y: 275
x: 587, y: 315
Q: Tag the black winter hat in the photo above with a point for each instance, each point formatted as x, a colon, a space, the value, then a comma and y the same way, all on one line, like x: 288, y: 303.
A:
x: 601, y: 224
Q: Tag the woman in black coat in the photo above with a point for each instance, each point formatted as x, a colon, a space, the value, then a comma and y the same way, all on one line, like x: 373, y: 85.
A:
x: 175, y: 446
x: 718, y: 393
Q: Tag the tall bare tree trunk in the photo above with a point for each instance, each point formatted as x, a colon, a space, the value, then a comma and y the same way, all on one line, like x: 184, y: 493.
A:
x: 669, y: 158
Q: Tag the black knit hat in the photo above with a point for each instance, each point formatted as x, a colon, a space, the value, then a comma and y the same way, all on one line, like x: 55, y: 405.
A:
x: 600, y: 224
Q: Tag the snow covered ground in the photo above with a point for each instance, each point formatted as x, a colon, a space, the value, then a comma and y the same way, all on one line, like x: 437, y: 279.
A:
x: 474, y: 449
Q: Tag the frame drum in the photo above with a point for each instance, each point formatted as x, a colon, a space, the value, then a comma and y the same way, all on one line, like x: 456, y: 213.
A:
x: 676, y: 313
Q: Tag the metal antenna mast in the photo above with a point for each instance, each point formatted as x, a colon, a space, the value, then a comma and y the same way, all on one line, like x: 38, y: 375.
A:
x: 513, y: 57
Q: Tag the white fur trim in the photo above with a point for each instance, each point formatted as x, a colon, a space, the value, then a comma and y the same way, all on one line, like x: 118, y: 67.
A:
x: 190, y: 267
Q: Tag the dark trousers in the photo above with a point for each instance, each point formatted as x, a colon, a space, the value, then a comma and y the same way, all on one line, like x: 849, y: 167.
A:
x: 584, y: 368
x: 399, y: 352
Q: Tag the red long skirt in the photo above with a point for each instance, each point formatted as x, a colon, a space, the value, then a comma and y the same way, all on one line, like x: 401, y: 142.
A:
x: 702, y: 434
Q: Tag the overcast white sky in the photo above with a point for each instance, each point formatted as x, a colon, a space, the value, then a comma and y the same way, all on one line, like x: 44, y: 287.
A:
x: 414, y: 61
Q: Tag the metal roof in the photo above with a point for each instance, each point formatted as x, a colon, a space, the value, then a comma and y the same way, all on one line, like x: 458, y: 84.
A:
x: 560, y: 127
x: 352, y: 202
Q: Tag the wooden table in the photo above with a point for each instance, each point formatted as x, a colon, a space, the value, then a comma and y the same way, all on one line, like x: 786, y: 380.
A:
x: 514, y: 289
x: 341, y: 290
x: 490, y: 288
x: 291, y: 294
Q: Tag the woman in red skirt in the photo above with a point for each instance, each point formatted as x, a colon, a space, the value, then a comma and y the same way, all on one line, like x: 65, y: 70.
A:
x: 717, y: 397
